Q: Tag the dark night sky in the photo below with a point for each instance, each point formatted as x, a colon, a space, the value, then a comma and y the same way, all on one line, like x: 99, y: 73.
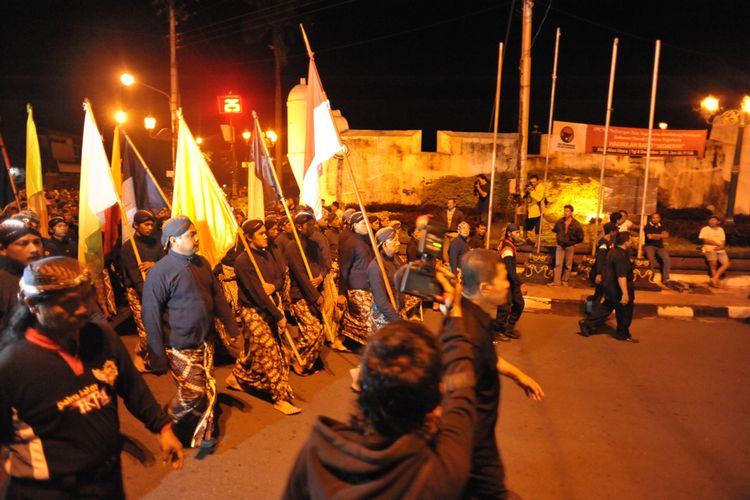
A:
x: 386, y: 65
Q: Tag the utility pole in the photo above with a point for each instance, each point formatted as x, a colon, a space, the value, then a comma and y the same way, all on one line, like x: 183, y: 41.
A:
x: 525, y: 96
x: 174, y: 96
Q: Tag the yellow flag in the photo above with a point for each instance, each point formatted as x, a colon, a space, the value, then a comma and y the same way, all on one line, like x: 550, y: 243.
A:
x: 117, y: 162
x: 97, y: 194
x: 198, y: 196
x: 34, y: 188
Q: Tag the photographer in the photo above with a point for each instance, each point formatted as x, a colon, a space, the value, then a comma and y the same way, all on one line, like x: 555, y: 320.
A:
x: 485, y: 287
x: 533, y: 195
x: 401, y: 442
x: 482, y: 192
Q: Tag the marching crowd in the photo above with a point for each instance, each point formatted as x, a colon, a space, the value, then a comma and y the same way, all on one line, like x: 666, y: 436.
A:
x: 322, y: 275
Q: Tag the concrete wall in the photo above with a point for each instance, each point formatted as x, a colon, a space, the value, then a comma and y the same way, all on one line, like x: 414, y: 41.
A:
x: 390, y: 167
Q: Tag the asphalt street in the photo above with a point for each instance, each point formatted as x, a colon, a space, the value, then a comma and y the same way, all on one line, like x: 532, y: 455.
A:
x: 666, y: 418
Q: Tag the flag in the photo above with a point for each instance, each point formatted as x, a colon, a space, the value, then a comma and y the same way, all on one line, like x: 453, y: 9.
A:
x: 97, y: 194
x: 321, y: 140
x: 198, y: 196
x: 139, y: 190
x: 34, y: 188
x: 262, y: 190
x: 112, y: 216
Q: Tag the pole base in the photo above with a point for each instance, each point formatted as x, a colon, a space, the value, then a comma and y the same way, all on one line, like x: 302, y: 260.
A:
x: 643, y: 276
x: 538, y: 268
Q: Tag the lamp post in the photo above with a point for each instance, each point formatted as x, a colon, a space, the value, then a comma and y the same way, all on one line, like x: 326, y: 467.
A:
x: 129, y: 80
x: 713, y: 114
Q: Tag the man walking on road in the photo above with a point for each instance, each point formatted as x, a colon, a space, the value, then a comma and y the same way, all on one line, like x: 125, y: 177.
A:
x: 569, y: 234
x: 619, y: 293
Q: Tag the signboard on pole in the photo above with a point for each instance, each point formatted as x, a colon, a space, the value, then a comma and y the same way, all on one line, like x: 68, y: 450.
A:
x: 585, y: 138
x: 230, y: 104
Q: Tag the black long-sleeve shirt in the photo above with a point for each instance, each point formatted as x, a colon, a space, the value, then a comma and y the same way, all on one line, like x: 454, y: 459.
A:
x: 301, y: 287
x: 10, y: 274
x: 379, y: 293
x: 508, y: 254
x: 332, y: 235
x: 356, y: 254
x: 67, y: 247
x: 324, y: 249
x: 149, y: 249
x: 457, y: 248
x: 341, y: 461
x: 602, y: 247
x: 570, y: 237
x: 250, y: 291
x: 56, y: 421
x: 180, y: 299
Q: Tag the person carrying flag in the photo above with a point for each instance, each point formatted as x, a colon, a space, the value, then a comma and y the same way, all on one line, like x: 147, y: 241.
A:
x: 262, y: 366
x: 133, y: 273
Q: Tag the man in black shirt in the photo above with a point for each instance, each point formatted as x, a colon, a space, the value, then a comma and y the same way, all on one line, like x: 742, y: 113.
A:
x: 655, y: 235
x: 619, y: 293
x: 59, y: 243
x: 478, y: 240
x: 508, y: 314
x: 597, y: 270
x: 133, y: 276
x: 20, y: 245
x: 459, y: 246
x: 354, y: 286
x: 485, y: 287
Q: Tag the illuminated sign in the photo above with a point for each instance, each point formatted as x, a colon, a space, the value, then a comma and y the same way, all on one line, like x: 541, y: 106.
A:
x: 230, y: 105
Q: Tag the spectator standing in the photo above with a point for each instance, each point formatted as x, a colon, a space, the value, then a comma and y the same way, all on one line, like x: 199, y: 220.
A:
x: 482, y: 192
x: 459, y: 246
x: 452, y: 216
x: 714, y: 249
x: 655, y: 234
x: 534, y: 196
x: 569, y: 234
x: 480, y: 234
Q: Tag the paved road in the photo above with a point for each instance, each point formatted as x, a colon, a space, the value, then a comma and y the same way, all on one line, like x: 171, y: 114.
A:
x: 667, y: 418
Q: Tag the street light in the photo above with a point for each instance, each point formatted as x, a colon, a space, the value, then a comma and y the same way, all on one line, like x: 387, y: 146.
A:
x: 246, y: 135
x: 714, y: 114
x: 149, y: 122
x: 121, y: 117
x: 272, y: 136
x: 663, y: 125
x: 199, y: 140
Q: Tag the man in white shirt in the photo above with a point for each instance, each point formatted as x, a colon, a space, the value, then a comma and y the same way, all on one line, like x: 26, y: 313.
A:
x: 714, y: 249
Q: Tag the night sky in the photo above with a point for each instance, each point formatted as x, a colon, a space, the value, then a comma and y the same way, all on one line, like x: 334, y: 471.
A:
x: 414, y: 64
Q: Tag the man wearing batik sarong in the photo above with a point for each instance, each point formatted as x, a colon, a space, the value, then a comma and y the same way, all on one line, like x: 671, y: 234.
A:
x: 225, y: 272
x: 262, y: 367
x: 133, y: 273
x: 181, y: 297
x: 354, y: 286
x: 305, y: 294
x: 382, y: 311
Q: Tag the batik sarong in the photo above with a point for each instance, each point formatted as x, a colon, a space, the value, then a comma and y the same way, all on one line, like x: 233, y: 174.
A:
x: 228, y: 282
x: 262, y: 366
x: 331, y: 313
x: 141, y: 347
x: 355, y: 322
x: 411, y: 310
x: 193, y: 372
x: 310, y: 340
x: 105, y: 296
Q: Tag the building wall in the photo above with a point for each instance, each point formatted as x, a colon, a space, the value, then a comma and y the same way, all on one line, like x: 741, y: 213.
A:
x: 390, y: 167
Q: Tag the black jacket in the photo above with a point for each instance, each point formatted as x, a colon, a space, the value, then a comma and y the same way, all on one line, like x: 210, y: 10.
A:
x: 340, y: 461
x: 356, y: 254
x: 149, y: 249
x: 573, y: 236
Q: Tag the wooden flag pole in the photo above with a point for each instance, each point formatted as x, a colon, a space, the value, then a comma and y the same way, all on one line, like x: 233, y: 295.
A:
x: 543, y: 203
x: 654, y: 82
x: 494, y: 143
x: 263, y: 283
x: 148, y: 170
x: 373, y: 242
x: 599, y: 206
x: 329, y: 331
x: 6, y: 160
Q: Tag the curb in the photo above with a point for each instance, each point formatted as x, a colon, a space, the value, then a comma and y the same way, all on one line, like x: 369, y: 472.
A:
x: 573, y: 307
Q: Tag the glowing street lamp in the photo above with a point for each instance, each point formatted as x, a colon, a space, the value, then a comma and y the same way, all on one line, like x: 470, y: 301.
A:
x: 199, y: 140
x: 271, y: 135
x: 663, y: 125
x: 712, y: 112
x: 127, y: 79
x: 121, y: 117
x: 149, y: 123
x: 246, y: 135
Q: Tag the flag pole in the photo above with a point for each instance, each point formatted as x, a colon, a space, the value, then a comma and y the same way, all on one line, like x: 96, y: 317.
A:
x: 263, y: 283
x: 494, y: 142
x: 374, y: 244
x: 655, y: 79
x: 6, y: 160
x: 328, y: 329
x: 599, y: 206
x: 543, y: 203
x: 148, y: 170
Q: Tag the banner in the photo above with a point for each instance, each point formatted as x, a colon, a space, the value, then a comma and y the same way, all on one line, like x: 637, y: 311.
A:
x: 572, y: 137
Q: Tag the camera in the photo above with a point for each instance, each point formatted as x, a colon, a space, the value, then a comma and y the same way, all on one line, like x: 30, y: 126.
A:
x: 418, y: 278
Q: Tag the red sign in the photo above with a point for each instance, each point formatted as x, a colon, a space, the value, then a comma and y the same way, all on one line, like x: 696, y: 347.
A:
x: 230, y: 105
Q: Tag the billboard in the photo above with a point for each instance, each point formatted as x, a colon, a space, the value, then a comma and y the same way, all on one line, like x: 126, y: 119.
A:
x: 572, y: 137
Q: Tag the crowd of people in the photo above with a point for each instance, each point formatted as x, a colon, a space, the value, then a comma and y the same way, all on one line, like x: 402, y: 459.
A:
x: 336, y: 278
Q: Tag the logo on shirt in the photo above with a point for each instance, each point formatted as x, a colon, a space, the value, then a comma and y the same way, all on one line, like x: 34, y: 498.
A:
x: 108, y: 373
x: 92, y: 397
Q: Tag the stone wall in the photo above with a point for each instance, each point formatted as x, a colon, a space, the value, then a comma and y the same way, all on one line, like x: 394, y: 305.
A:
x: 390, y: 167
